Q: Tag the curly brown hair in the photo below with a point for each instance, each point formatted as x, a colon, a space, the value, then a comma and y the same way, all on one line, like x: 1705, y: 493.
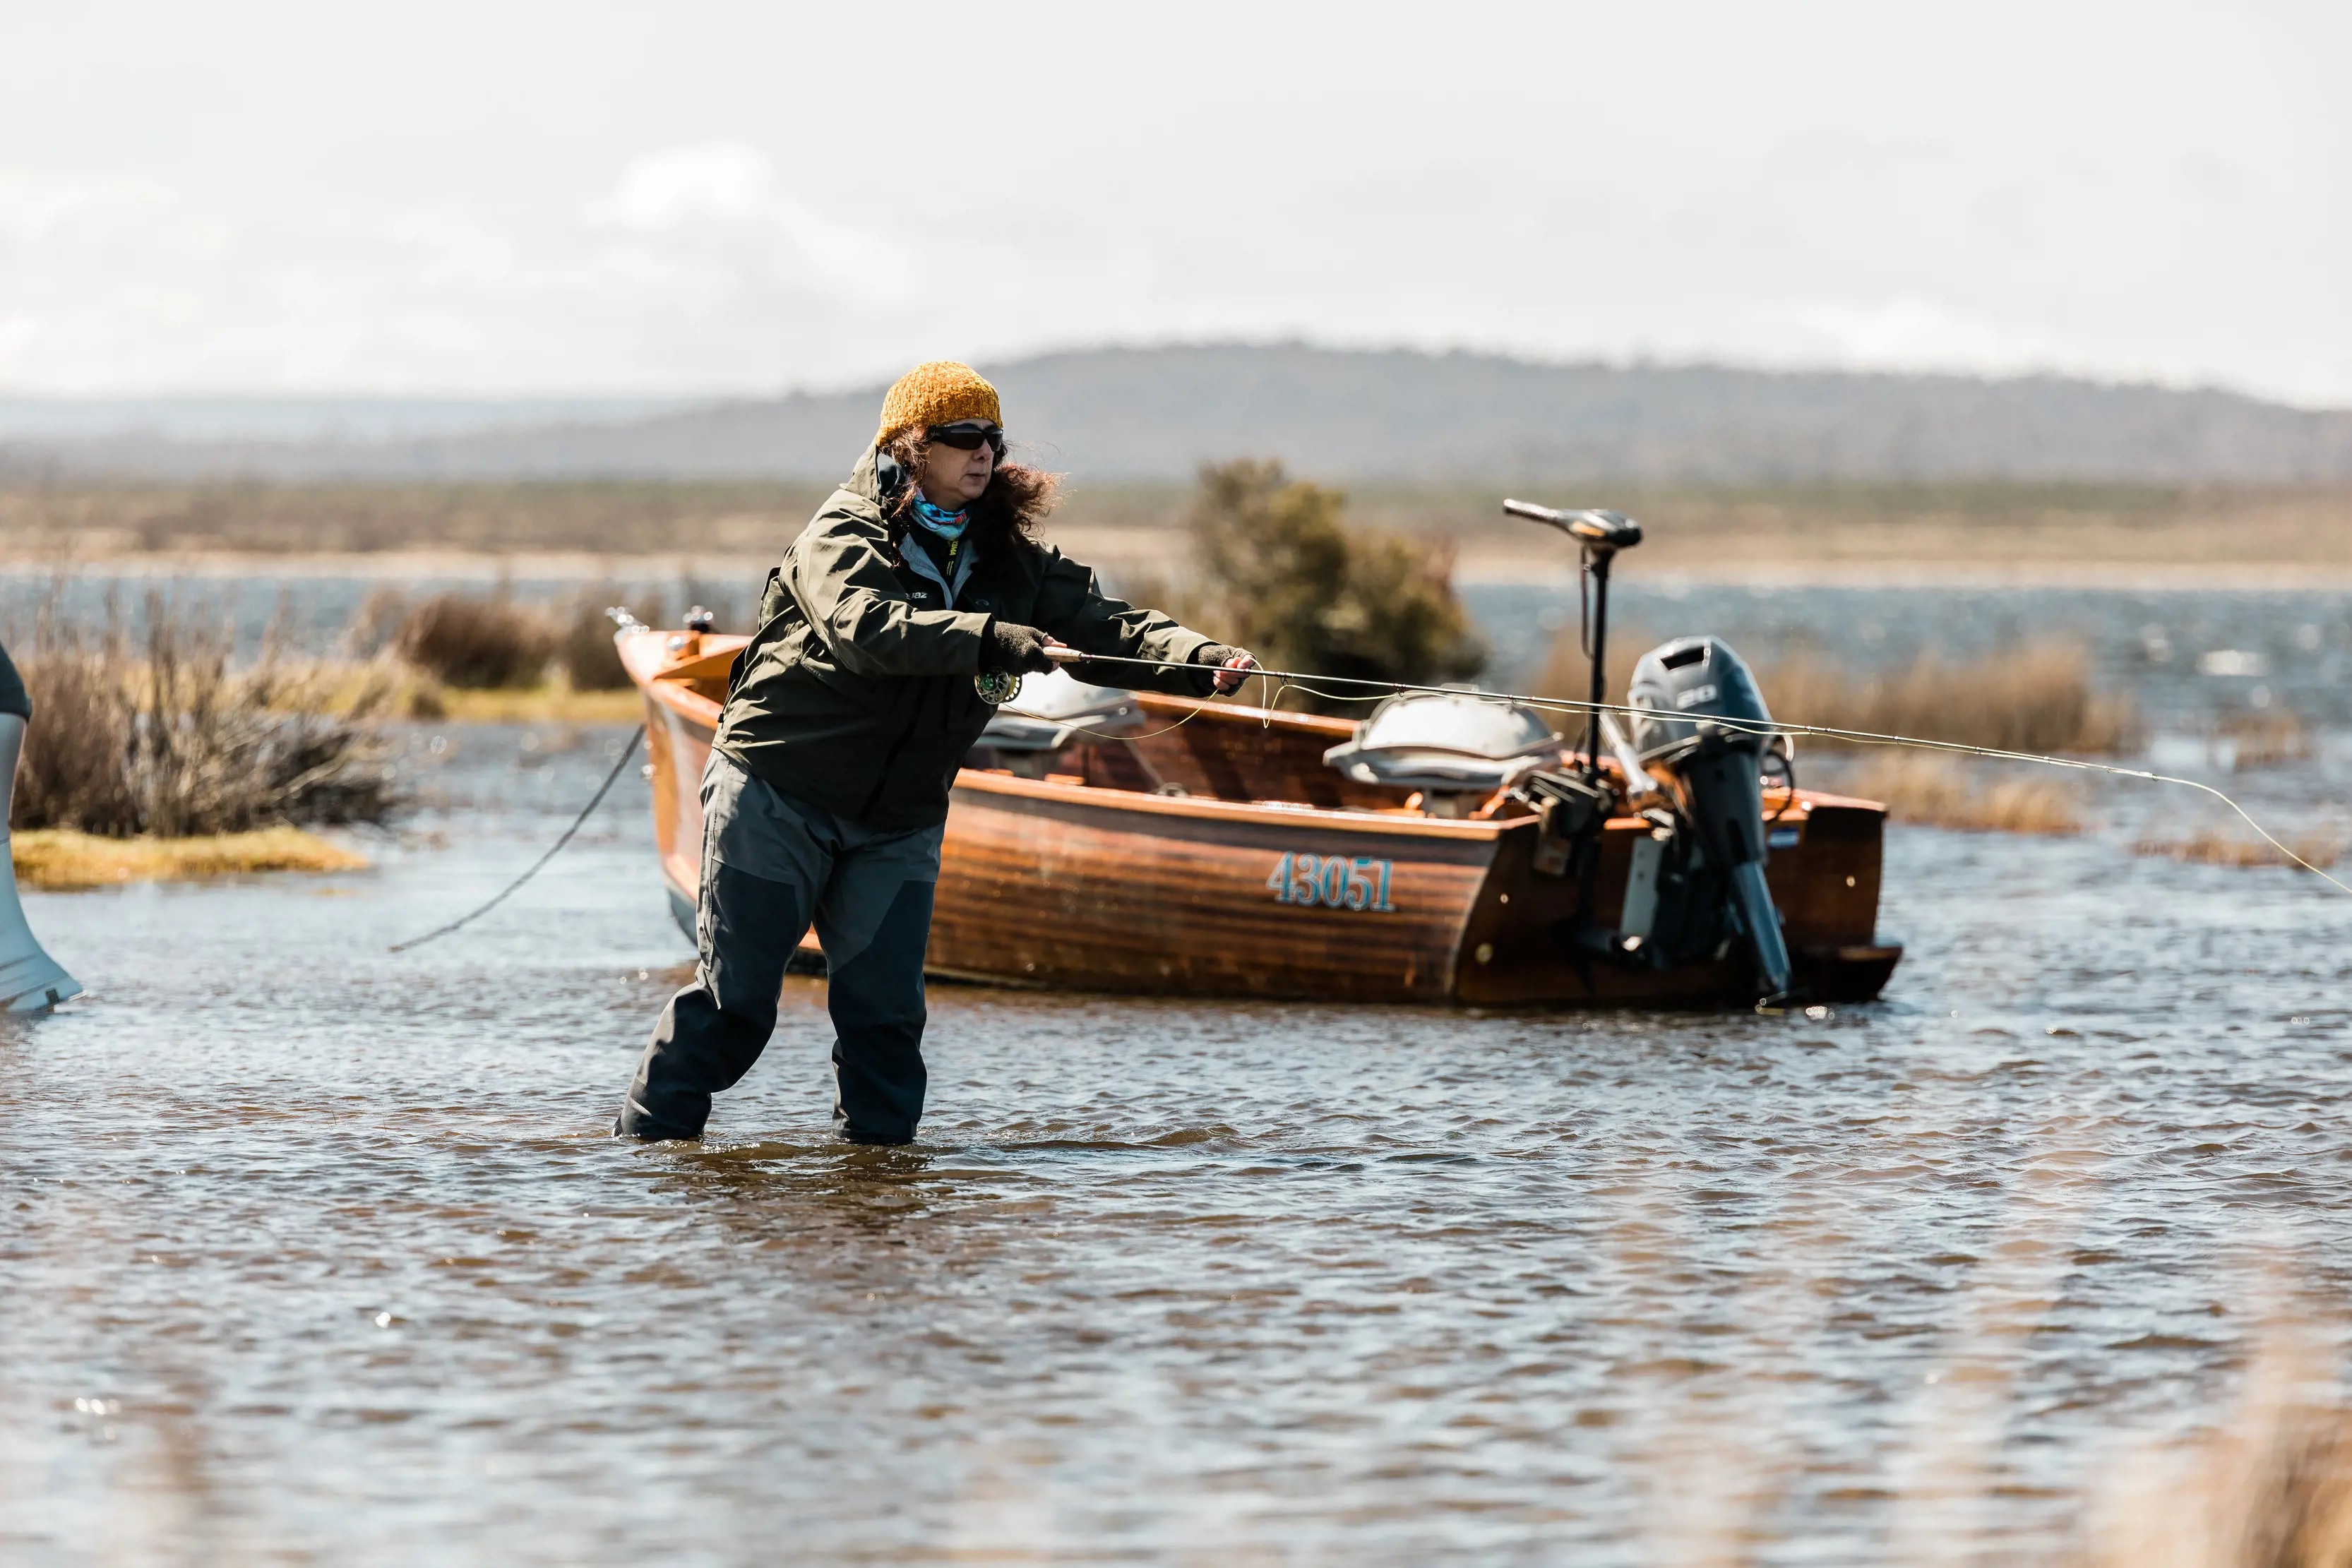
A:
x: 1017, y: 498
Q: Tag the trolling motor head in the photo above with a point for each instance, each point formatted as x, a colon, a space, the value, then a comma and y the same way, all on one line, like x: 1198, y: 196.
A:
x: 1601, y: 532
x: 1703, y: 720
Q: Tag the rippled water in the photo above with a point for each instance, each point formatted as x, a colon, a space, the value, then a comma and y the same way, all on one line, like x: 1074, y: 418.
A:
x: 312, y: 1252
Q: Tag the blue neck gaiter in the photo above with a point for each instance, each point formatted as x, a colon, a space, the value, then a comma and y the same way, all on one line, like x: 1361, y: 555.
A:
x: 939, y: 521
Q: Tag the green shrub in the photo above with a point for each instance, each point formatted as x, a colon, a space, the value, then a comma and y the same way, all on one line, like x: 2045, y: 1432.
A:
x: 1283, y: 575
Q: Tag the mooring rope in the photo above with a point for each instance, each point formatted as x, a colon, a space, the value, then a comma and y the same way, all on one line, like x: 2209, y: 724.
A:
x: 597, y: 800
x: 1287, y: 680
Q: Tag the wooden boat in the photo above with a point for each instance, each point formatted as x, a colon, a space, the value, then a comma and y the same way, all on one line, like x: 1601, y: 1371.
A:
x: 1200, y: 848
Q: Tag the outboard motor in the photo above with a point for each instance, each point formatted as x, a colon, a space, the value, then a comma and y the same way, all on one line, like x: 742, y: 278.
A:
x: 1685, y: 689
x: 1696, y: 880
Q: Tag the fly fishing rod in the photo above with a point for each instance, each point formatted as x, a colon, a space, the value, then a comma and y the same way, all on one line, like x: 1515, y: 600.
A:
x: 1313, y: 684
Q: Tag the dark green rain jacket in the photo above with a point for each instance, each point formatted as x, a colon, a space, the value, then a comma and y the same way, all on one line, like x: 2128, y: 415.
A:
x: 856, y: 693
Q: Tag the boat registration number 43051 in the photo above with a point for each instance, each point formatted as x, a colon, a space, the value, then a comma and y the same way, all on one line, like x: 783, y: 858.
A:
x: 1336, y: 882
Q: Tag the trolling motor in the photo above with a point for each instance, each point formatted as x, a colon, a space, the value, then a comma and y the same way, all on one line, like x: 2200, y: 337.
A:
x: 1575, y: 806
x: 1602, y: 535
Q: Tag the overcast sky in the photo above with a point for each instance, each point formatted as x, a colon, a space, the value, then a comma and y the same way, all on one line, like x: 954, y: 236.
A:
x: 464, y: 197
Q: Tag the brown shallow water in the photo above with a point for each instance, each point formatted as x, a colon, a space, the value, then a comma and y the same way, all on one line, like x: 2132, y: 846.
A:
x: 313, y: 1253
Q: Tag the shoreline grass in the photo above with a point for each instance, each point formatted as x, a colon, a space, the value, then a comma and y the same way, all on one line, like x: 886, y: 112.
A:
x: 554, y: 703
x: 150, y: 733
x: 385, y: 685
x: 2211, y: 848
x: 1926, y: 790
x: 2265, y: 738
x: 59, y: 860
x: 486, y: 658
x: 2037, y: 698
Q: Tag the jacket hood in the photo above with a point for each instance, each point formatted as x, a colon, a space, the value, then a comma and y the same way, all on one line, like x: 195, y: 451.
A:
x: 866, y: 479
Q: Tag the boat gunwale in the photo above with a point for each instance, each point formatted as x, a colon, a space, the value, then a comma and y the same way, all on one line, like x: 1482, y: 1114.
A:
x: 664, y: 685
x: 1203, y: 807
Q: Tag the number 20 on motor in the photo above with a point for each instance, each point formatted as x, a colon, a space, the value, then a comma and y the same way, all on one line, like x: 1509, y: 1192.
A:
x: 1333, y: 881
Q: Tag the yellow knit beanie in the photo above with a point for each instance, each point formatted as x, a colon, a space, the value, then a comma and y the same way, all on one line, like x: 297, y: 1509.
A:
x: 940, y: 393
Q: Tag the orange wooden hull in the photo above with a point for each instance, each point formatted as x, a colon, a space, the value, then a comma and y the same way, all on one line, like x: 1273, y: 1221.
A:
x: 1269, y: 875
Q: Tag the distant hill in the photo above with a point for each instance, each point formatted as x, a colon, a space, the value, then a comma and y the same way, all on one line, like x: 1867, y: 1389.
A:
x: 280, y: 420
x: 1363, y: 415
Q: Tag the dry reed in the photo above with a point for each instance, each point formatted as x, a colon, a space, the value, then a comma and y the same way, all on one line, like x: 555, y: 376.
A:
x: 1946, y: 791
x: 2271, y: 1489
x: 387, y: 686
x: 376, y: 622
x: 2263, y: 737
x: 152, y: 735
x: 2038, y: 698
x: 2210, y: 848
x: 346, y: 688
x: 475, y: 643
x: 584, y: 646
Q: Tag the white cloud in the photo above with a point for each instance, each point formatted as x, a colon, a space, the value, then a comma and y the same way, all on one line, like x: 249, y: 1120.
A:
x: 725, y: 182
x: 717, y: 196
x: 697, y: 270
x: 734, y: 197
x: 105, y: 282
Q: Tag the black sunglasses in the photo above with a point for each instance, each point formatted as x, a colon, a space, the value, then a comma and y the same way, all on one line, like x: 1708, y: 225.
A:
x: 968, y: 437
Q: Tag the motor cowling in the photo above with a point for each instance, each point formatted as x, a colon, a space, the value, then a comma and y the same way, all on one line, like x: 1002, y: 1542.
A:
x: 1702, y: 719
x: 1455, y: 747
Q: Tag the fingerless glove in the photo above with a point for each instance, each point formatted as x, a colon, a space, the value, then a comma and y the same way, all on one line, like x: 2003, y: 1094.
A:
x: 1009, y: 648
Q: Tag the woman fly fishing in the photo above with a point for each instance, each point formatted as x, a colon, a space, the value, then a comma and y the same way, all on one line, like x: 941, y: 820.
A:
x: 912, y: 604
